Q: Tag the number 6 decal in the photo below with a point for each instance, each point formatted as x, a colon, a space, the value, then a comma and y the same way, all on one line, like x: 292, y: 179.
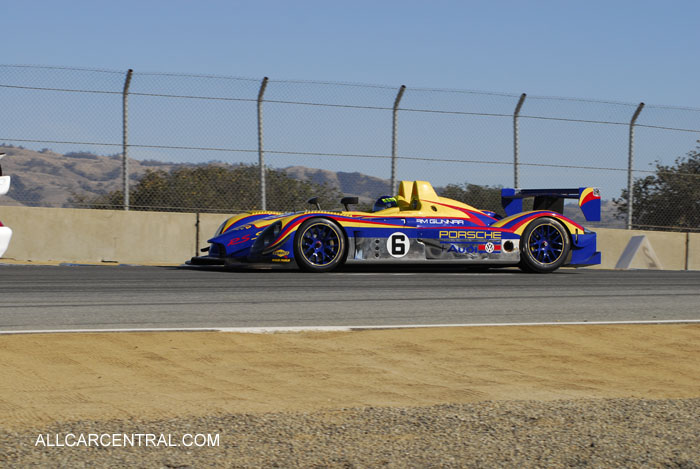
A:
x: 398, y: 244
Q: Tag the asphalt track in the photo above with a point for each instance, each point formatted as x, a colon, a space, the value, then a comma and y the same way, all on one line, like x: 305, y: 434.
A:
x: 109, y: 297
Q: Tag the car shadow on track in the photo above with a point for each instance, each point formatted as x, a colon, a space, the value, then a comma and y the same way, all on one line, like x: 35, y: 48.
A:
x: 374, y: 269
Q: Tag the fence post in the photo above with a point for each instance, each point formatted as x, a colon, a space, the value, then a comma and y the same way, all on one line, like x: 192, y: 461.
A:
x: 394, y: 130
x: 630, y: 162
x: 516, y: 141
x: 261, y: 156
x: 125, y: 138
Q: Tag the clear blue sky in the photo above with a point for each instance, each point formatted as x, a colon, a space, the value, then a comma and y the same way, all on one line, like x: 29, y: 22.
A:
x: 618, y: 50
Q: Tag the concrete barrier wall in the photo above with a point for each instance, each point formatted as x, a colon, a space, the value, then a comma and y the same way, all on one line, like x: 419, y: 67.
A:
x: 669, y: 247
x: 694, y: 251
x: 74, y: 235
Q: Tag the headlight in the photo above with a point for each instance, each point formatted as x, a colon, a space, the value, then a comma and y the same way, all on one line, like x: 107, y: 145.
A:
x: 267, y: 237
x: 276, y: 229
x: 271, y: 233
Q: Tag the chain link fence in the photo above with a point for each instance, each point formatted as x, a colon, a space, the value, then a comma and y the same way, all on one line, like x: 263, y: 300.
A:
x: 196, y: 143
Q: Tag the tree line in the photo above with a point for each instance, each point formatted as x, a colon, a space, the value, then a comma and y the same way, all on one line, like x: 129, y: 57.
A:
x: 214, y: 188
x: 668, y: 198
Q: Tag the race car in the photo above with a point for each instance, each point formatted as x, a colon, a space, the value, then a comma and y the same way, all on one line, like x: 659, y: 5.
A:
x: 5, y: 231
x: 415, y: 226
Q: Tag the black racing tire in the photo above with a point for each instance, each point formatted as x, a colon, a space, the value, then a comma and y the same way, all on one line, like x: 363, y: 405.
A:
x: 544, y: 246
x: 320, y: 245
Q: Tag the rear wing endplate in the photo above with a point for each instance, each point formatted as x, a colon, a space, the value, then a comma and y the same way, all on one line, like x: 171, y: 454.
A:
x: 553, y: 199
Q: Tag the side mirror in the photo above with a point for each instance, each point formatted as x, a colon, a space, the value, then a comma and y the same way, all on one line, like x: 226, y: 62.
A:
x: 314, y: 201
x: 349, y: 201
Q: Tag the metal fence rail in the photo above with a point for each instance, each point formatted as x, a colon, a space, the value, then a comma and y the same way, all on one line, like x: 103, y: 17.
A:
x: 128, y: 139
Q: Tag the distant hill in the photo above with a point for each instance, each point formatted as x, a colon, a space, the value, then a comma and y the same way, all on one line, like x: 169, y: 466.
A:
x: 45, y: 178
x: 49, y: 179
x: 367, y: 188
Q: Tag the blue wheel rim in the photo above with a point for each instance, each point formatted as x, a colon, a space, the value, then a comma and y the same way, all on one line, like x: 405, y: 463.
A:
x: 320, y: 244
x: 546, y: 244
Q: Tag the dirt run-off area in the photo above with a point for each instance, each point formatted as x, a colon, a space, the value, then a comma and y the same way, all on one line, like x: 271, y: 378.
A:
x: 52, y: 382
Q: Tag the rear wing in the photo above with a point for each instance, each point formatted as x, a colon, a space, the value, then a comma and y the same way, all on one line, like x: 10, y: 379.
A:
x: 553, y: 199
x: 4, y: 180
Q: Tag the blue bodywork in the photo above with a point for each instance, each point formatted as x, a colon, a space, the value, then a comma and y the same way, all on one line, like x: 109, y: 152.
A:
x: 416, y: 229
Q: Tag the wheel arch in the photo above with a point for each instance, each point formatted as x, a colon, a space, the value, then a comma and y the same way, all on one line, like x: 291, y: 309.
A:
x: 565, y: 224
x: 568, y: 225
x: 338, y: 224
x: 310, y: 221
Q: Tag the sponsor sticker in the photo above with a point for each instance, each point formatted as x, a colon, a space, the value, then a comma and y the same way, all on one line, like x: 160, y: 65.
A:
x: 239, y: 240
x: 476, y: 235
x: 440, y: 221
x: 471, y: 248
x: 466, y: 249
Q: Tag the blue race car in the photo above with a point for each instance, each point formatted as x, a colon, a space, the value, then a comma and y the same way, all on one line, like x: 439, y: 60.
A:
x: 416, y: 225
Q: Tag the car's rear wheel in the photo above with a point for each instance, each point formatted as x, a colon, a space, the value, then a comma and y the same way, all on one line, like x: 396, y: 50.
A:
x: 319, y: 245
x: 544, y: 246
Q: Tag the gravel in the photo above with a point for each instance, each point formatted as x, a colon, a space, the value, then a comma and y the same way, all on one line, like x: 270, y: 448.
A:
x: 606, y: 433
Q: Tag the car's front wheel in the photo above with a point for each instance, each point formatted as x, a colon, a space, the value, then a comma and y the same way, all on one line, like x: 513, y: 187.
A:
x: 544, y: 246
x: 319, y: 245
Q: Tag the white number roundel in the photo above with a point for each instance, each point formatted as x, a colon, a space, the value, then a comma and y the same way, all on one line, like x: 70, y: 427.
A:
x: 398, y: 244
